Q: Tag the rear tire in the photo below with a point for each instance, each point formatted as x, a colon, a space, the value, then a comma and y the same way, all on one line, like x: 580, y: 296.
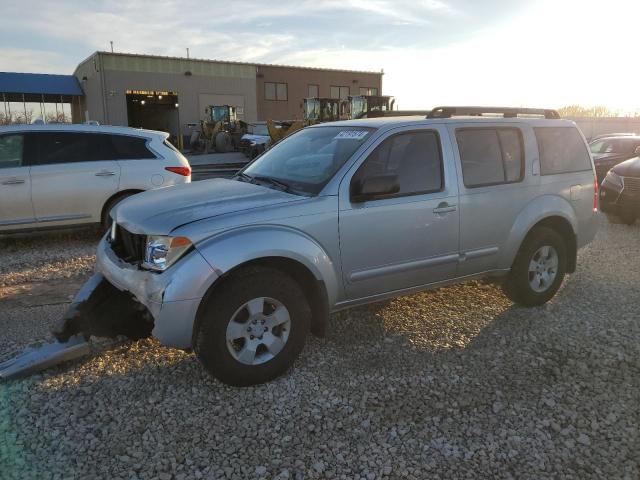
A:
x: 227, y: 341
x: 223, y: 142
x: 538, y: 269
x: 624, y: 218
x: 628, y: 218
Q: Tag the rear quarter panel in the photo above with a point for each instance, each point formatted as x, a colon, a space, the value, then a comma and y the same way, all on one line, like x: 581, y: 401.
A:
x: 150, y: 173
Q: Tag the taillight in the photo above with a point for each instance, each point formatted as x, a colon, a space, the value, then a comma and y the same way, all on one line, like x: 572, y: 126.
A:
x: 184, y: 171
x: 595, y: 194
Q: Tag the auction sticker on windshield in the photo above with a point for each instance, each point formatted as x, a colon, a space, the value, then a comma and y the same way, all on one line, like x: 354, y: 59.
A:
x: 352, y: 134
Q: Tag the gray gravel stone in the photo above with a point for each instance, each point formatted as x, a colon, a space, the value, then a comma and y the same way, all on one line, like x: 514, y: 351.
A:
x: 454, y: 383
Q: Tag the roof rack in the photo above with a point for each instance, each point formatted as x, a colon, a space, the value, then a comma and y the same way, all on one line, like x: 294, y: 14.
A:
x: 506, y: 112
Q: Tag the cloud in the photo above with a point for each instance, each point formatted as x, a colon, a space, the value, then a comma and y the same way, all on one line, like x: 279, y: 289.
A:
x: 34, y: 61
x: 539, y: 52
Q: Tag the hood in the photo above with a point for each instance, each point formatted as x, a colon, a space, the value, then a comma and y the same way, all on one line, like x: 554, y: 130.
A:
x: 158, y: 212
x: 629, y: 168
x: 256, y: 138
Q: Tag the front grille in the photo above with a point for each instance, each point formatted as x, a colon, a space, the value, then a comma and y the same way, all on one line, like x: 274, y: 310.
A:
x: 129, y: 246
x: 631, y: 185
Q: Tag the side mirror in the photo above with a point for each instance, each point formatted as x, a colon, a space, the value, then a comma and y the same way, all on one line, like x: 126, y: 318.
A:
x: 637, y: 150
x: 371, y: 188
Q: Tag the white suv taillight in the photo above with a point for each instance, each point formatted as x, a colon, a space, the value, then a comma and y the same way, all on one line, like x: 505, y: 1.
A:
x: 184, y: 171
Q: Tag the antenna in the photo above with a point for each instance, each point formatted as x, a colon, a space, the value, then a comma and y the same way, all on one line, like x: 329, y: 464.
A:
x: 111, y: 42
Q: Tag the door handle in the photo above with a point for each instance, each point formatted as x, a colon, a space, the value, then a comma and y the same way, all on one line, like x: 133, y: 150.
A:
x: 13, y: 181
x: 105, y: 173
x: 444, y: 207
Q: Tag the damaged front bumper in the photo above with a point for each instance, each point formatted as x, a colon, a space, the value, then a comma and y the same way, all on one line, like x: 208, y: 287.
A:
x: 125, y: 298
x: 122, y: 299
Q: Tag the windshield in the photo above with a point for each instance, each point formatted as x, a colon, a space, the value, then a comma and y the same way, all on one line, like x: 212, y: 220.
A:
x: 258, y: 129
x: 306, y: 160
x: 219, y: 114
x: 614, y: 145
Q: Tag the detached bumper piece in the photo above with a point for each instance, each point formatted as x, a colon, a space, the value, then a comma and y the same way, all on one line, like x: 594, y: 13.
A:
x: 36, y: 359
x: 99, y: 309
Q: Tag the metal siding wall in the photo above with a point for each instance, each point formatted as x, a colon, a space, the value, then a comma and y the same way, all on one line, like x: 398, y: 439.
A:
x: 597, y: 126
x: 92, y: 88
x: 298, y: 79
x: 189, y: 89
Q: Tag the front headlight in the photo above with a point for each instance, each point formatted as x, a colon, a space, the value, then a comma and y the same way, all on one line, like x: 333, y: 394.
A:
x: 614, y: 180
x: 162, y: 251
x: 252, y: 143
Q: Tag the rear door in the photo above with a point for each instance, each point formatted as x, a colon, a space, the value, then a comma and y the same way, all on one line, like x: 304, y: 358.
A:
x: 493, y: 188
x: 75, y: 173
x: 16, y: 209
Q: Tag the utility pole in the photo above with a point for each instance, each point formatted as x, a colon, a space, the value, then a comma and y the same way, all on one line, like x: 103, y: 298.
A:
x: 111, y: 42
x: 187, y: 52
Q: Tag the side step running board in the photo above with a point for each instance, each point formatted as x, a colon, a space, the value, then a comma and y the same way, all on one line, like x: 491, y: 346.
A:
x: 34, y: 359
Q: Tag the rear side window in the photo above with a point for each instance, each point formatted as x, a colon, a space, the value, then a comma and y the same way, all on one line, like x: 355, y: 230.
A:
x: 490, y: 156
x: 62, y: 147
x: 415, y: 157
x: 71, y: 147
x: 11, y: 147
x: 130, y: 148
x: 562, y: 150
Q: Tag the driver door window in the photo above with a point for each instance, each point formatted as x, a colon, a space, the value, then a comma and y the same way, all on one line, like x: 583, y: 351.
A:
x: 414, y: 157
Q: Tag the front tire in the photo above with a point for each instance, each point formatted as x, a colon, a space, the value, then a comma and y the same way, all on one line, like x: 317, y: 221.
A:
x: 539, y: 268
x: 252, y: 327
x: 223, y: 142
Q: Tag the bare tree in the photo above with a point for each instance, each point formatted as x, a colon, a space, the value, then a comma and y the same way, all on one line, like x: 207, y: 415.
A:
x: 598, y: 111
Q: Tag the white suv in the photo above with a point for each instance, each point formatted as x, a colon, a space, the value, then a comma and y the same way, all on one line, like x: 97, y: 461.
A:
x: 67, y: 175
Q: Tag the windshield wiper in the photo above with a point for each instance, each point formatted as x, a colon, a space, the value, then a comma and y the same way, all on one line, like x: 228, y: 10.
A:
x: 244, y: 177
x: 285, y: 187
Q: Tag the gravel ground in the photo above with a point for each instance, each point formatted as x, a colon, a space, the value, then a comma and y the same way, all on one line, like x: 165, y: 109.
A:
x: 456, y: 383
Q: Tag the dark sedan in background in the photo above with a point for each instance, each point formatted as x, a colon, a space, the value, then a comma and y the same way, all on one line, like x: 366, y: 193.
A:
x: 620, y: 192
x: 609, y: 151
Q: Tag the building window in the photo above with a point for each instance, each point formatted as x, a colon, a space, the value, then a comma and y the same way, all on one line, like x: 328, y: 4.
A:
x: 339, y: 92
x: 313, y: 91
x: 275, y: 91
x: 368, y: 91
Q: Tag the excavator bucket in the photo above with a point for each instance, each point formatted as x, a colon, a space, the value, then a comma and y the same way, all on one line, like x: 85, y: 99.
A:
x: 98, y: 309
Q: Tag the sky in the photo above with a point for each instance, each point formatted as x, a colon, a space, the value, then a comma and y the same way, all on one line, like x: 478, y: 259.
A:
x: 539, y: 53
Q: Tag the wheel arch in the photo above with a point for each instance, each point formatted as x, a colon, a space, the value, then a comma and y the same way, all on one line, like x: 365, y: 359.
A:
x: 314, y: 289
x: 115, y: 196
x: 284, y: 248
x: 549, y: 211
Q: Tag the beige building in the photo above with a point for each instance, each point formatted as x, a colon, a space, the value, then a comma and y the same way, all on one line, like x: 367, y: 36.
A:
x: 280, y: 90
x: 171, y: 94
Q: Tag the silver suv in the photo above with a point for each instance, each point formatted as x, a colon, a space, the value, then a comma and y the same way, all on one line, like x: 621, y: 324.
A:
x: 337, y: 215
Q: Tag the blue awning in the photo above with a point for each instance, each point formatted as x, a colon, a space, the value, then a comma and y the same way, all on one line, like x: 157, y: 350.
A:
x: 39, y: 83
